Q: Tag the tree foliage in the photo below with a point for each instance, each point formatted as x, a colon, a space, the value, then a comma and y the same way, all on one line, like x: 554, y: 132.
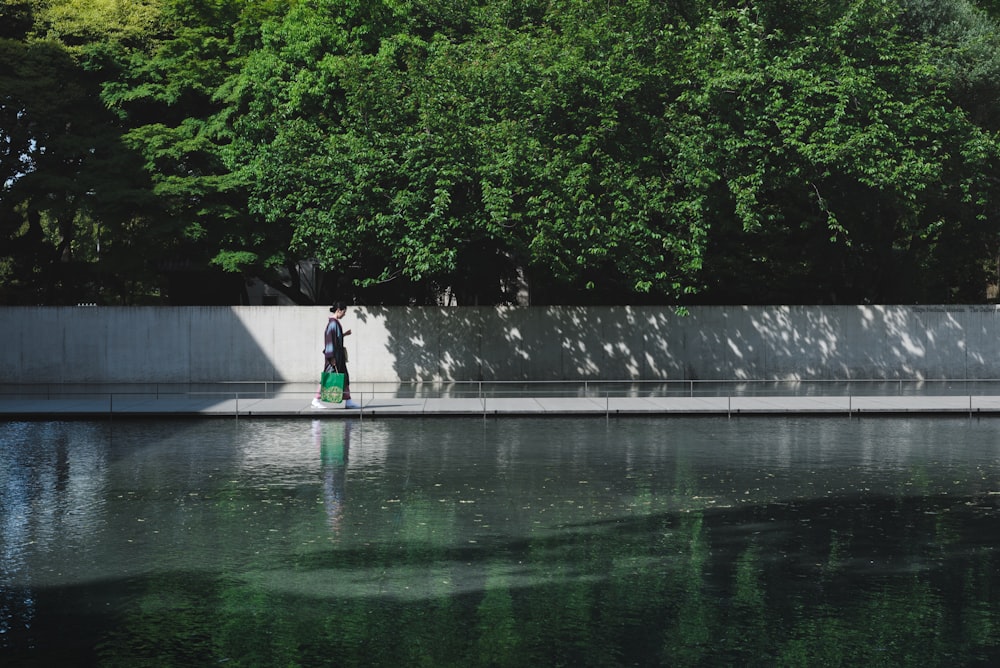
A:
x: 844, y: 143
x: 76, y: 208
x: 674, y: 152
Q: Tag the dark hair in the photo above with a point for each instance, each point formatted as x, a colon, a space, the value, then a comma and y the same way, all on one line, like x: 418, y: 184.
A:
x: 338, y: 306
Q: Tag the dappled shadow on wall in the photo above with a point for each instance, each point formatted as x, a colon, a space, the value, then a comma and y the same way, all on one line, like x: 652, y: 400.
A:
x: 733, y: 343
x: 531, y: 343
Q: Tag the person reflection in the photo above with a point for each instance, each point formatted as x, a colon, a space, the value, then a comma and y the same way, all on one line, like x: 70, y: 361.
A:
x: 333, y: 439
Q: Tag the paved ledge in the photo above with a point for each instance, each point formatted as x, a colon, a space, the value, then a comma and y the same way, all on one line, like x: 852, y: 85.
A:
x: 383, y: 406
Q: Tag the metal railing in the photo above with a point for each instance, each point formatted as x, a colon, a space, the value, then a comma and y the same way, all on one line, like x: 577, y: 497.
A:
x: 483, y: 389
x: 236, y: 398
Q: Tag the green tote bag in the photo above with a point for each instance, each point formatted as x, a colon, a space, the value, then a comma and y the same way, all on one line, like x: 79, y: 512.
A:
x: 331, y: 387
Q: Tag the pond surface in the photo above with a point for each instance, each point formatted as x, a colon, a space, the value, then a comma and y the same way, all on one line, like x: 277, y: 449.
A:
x: 508, y: 542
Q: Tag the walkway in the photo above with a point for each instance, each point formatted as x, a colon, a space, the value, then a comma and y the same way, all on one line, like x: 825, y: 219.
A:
x: 390, y: 406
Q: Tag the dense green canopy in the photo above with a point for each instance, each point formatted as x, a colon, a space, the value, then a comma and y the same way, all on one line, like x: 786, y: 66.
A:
x: 477, y: 151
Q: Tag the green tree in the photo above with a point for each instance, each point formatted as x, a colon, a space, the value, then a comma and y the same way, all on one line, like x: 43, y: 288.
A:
x: 455, y: 153
x: 685, y: 151
x: 75, y: 206
x: 169, y: 90
x: 834, y: 165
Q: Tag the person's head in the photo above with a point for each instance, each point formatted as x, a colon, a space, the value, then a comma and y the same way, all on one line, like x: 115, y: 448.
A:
x: 338, y: 308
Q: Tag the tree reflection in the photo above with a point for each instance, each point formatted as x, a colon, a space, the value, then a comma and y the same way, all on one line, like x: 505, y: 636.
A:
x: 547, y: 557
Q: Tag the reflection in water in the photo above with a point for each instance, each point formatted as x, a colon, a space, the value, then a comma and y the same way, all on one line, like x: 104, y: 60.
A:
x: 16, y: 602
x: 333, y: 438
x: 51, y: 498
x: 518, y: 542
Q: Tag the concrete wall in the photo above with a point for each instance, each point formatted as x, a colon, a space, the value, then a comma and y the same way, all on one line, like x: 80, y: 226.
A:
x: 389, y: 344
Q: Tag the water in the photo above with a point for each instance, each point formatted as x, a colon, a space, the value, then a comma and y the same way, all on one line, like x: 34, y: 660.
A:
x: 509, y: 542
